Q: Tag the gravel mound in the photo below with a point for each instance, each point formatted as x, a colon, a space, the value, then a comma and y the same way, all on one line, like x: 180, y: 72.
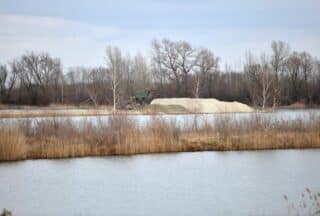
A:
x: 197, y: 105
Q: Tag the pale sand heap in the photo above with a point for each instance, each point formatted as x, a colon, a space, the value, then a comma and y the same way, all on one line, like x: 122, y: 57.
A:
x: 197, y: 105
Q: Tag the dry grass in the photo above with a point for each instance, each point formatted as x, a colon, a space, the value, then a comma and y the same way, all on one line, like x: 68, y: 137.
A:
x: 12, y: 144
x: 122, y: 136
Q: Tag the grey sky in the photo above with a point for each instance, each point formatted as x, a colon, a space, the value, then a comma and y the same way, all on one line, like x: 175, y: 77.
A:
x: 78, y: 31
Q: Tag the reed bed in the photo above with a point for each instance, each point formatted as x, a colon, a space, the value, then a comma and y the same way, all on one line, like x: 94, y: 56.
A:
x: 122, y: 136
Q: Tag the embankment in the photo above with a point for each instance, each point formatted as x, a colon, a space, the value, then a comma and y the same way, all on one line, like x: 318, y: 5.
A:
x: 197, y: 105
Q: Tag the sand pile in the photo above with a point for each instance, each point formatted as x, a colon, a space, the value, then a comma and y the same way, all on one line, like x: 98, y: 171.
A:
x: 197, y: 105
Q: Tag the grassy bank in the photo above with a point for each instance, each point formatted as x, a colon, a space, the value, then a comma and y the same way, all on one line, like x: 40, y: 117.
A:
x: 122, y: 136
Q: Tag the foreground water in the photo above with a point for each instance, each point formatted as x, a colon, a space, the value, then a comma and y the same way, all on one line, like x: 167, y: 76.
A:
x: 204, y: 183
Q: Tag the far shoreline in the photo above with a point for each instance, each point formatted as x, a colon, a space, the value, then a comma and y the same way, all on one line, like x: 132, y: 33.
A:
x: 21, y: 111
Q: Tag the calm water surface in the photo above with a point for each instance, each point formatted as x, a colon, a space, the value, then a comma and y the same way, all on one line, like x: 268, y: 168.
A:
x: 204, y: 183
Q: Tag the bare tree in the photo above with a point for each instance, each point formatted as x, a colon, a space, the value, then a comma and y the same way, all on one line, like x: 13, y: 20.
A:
x: 317, y: 79
x: 94, y: 85
x: 62, y: 83
x: 8, y: 80
x: 115, y: 65
x: 317, y: 71
x: 293, y: 68
x: 260, y: 78
x: 186, y: 62
x: 74, y: 80
x: 280, y: 53
x: 306, y: 65
x: 166, y: 54
x: 267, y: 80
x: 3, y: 82
x: 158, y: 71
x: 206, y: 65
x: 197, y: 85
x: 36, y: 74
x: 129, y: 77
x: 140, y: 73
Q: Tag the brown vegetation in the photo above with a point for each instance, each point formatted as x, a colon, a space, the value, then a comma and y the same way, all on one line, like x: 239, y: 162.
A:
x: 122, y: 136
x: 12, y: 144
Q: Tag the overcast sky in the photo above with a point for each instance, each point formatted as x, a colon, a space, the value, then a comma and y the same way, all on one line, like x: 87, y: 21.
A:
x: 78, y: 31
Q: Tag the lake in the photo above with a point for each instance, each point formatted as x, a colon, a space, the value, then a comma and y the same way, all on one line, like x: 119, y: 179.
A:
x: 200, y: 183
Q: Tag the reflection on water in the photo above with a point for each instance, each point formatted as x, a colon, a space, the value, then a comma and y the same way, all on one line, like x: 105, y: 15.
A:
x: 204, y: 183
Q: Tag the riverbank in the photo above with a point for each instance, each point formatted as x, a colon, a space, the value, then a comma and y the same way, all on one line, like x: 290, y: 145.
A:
x: 93, y: 111
x: 73, y: 111
x: 157, y: 106
x: 122, y: 136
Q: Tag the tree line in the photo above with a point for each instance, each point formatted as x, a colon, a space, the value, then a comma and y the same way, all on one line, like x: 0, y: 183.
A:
x: 175, y: 69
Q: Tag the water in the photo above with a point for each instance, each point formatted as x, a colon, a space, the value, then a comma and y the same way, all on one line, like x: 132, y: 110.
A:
x: 184, y: 119
x: 203, y: 183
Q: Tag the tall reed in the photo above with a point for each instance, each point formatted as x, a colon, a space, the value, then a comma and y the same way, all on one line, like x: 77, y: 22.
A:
x: 12, y: 144
x: 120, y: 135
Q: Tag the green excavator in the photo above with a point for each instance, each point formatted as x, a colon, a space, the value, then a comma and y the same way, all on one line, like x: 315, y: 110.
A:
x: 139, y: 99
